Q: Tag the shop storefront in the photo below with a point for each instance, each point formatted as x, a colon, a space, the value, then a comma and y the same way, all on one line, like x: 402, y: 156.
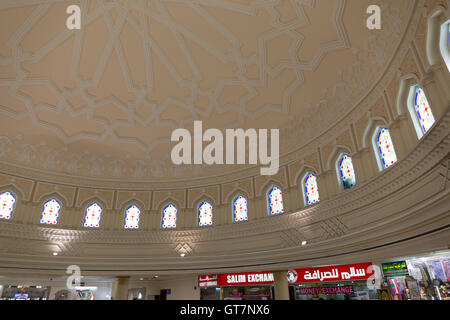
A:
x: 25, y: 293
x: 344, y: 282
x: 237, y: 286
x: 419, y: 278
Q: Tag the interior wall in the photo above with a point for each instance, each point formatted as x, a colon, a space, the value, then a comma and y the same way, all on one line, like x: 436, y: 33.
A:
x: 182, y: 289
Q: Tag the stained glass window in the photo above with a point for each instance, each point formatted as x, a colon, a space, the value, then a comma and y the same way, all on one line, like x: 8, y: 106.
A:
x: 7, y: 202
x: 169, y: 217
x: 386, y: 148
x: 347, y: 173
x: 423, y: 110
x: 311, y: 189
x: 240, y: 212
x: 205, y: 214
x: 445, y: 43
x: 275, y: 198
x: 50, y: 212
x: 93, y: 216
x: 132, y: 217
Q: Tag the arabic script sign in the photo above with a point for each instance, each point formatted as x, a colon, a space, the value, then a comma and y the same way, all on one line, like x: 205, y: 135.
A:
x: 333, y: 273
x: 232, y: 279
x: 398, y: 268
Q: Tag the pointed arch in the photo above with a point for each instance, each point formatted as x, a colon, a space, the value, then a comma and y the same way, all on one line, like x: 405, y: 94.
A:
x: 300, y: 175
x: 51, y: 210
x: 310, y: 189
x: 268, y: 184
x: 132, y: 217
x: 205, y: 213
x: 372, y: 126
x: 93, y: 215
x: 12, y: 187
x: 384, y: 148
x: 240, y: 208
x: 96, y: 214
x: 346, y: 171
x: 336, y: 154
x: 444, y: 43
x: 169, y: 216
x: 274, y: 198
x: 404, y: 93
x: 437, y: 45
x: 420, y: 110
x: 8, y: 202
x: 132, y: 214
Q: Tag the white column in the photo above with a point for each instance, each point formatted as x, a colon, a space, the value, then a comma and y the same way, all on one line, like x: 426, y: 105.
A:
x: 281, y: 285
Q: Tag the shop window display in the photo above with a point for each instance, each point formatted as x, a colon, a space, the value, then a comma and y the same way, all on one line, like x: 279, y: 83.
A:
x: 425, y: 278
x: 21, y: 292
x: 210, y: 293
x: 247, y: 293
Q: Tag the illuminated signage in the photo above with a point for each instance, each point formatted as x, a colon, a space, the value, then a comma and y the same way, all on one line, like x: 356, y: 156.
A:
x: 333, y: 273
x: 233, y: 279
x: 393, y: 269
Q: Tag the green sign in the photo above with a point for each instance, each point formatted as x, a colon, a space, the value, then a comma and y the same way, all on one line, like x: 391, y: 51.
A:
x: 395, y: 269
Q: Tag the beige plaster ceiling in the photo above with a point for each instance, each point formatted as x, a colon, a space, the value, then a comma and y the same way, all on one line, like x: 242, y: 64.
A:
x: 103, y: 101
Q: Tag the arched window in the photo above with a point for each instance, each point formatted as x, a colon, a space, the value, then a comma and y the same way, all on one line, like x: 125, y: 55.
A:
x: 444, y: 43
x: 422, y: 110
x: 240, y: 211
x: 275, y: 200
x: 7, y: 203
x: 50, y: 212
x: 169, y: 217
x: 132, y: 217
x: 346, y: 172
x: 205, y: 211
x: 386, y: 148
x: 92, y: 216
x: 311, y: 189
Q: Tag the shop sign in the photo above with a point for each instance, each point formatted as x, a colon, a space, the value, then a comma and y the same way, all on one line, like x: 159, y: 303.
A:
x: 395, y: 269
x: 207, y: 281
x: 325, y: 290
x: 348, y: 272
x: 235, y: 279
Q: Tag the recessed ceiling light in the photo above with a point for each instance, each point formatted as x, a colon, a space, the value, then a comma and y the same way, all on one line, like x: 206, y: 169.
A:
x: 304, y: 243
x: 55, y: 253
x: 183, y: 254
x: 155, y: 277
x: 141, y: 279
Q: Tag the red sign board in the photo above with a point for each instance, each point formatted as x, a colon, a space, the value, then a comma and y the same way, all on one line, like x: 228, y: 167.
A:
x: 348, y: 272
x: 236, y: 279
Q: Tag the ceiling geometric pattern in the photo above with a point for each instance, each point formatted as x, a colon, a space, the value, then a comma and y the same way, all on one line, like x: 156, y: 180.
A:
x: 103, y: 101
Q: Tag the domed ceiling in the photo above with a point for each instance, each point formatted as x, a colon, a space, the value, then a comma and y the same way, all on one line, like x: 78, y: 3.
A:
x: 102, y: 102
